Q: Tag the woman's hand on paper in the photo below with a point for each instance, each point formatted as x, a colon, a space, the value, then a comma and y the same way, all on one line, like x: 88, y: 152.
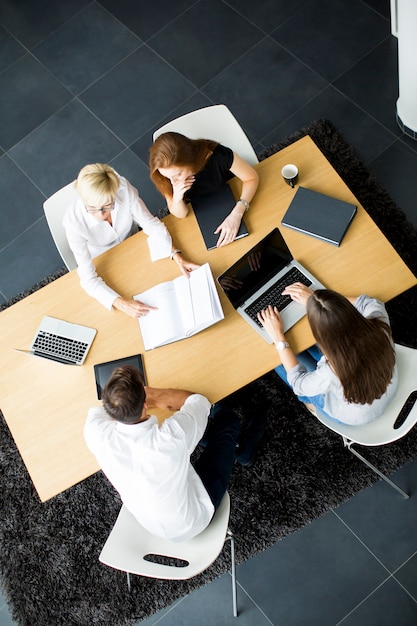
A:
x: 185, y: 266
x: 134, y: 308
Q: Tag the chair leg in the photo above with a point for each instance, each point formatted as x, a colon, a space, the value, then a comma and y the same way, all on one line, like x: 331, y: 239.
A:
x: 128, y: 581
x: 349, y: 444
x: 231, y: 538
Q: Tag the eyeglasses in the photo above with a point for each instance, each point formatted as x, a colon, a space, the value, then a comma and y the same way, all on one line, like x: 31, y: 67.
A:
x: 104, y: 209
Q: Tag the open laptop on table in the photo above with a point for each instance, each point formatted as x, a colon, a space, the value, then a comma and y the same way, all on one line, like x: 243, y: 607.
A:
x: 258, y: 279
x: 61, y: 341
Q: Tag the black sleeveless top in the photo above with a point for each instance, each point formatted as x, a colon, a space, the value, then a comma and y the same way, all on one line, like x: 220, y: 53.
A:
x: 214, y: 174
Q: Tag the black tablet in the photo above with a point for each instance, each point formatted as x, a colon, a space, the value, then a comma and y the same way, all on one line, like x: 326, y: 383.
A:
x: 103, y: 371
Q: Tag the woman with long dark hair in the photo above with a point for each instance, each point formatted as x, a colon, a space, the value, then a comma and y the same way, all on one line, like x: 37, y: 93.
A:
x: 356, y: 376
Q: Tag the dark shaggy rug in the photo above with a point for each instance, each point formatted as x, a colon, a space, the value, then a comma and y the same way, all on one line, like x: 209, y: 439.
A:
x: 49, y: 564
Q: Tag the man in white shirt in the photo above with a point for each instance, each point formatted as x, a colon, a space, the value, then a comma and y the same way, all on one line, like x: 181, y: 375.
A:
x: 149, y: 465
x: 108, y: 211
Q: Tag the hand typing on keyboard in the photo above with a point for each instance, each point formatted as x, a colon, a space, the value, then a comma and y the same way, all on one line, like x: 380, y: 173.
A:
x: 277, y: 296
x: 272, y: 322
x: 270, y: 317
x: 298, y: 292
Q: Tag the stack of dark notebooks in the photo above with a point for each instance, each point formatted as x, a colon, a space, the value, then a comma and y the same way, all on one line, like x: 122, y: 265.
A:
x: 211, y: 210
x: 318, y: 215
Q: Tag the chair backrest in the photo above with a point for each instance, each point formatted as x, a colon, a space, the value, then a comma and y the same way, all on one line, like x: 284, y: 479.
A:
x: 214, y: 122
x: 381, y: 430
x: 128, y: 544
x: 54, y: 208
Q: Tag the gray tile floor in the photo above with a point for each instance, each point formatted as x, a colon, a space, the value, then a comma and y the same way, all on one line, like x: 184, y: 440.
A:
x: 89, y: 81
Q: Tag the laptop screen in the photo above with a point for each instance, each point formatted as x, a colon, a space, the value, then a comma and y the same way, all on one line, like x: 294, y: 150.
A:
x: 255, y: 268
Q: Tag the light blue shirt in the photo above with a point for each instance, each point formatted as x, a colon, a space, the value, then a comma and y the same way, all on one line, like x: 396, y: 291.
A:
x: 324, y: 381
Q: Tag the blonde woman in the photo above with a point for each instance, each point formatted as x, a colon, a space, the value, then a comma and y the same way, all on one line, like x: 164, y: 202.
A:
x: 108, y: 211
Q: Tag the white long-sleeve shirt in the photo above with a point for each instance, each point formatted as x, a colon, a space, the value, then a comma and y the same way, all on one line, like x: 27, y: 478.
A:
x: 89, y: 237
x: 149, y: 465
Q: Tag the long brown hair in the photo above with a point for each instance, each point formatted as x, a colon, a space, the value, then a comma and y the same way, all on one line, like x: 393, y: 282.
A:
x: 175, y: 149
x: 359, y: 350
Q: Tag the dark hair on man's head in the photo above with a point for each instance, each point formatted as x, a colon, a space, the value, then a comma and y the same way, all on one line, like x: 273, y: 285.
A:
x: 124, y: 395
x: 359, y: 349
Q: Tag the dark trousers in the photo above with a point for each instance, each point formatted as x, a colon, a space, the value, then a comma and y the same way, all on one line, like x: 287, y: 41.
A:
x: 215, y: 463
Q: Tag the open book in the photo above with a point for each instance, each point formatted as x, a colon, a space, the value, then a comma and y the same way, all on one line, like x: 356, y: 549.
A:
x: 185, y: 307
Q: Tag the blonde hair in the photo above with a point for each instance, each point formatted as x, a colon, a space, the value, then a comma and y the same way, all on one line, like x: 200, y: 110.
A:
x: 97, y: 184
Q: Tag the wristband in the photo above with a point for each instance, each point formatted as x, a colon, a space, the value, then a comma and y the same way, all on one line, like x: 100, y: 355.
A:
x: 173, y: 253
x: 245, y: 203
x: 281, y: 345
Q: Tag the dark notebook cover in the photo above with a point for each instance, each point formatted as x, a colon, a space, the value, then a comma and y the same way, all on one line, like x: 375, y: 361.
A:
x: 210, y: 211
x: 318, y: 215
x: 103, y: 371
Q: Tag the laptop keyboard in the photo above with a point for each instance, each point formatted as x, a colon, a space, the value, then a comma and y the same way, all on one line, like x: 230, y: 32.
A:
x: 273, y: 296
x: 60, y: 347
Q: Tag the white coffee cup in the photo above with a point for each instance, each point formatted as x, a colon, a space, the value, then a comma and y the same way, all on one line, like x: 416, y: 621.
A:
x: 290, y: 174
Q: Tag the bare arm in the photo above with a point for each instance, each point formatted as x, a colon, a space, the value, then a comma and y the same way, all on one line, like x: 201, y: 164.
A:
x: 250, y: 181
x: 171, y: 399
x: 185, y: 266
x: 132, y: 307
x: 177, y: 205
x: 247, y: 174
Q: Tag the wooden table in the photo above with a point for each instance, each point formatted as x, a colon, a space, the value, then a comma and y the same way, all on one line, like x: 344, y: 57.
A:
x: 45, y: 403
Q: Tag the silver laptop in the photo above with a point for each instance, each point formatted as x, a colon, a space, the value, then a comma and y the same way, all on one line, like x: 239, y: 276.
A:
x: 62, y: 341
x: 258, y: 279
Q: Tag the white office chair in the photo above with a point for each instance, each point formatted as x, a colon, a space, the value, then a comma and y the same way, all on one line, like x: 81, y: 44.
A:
x: 54, y: 208
x: 384, y: 429
x: 216, y: 123
x: 129, y: 544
